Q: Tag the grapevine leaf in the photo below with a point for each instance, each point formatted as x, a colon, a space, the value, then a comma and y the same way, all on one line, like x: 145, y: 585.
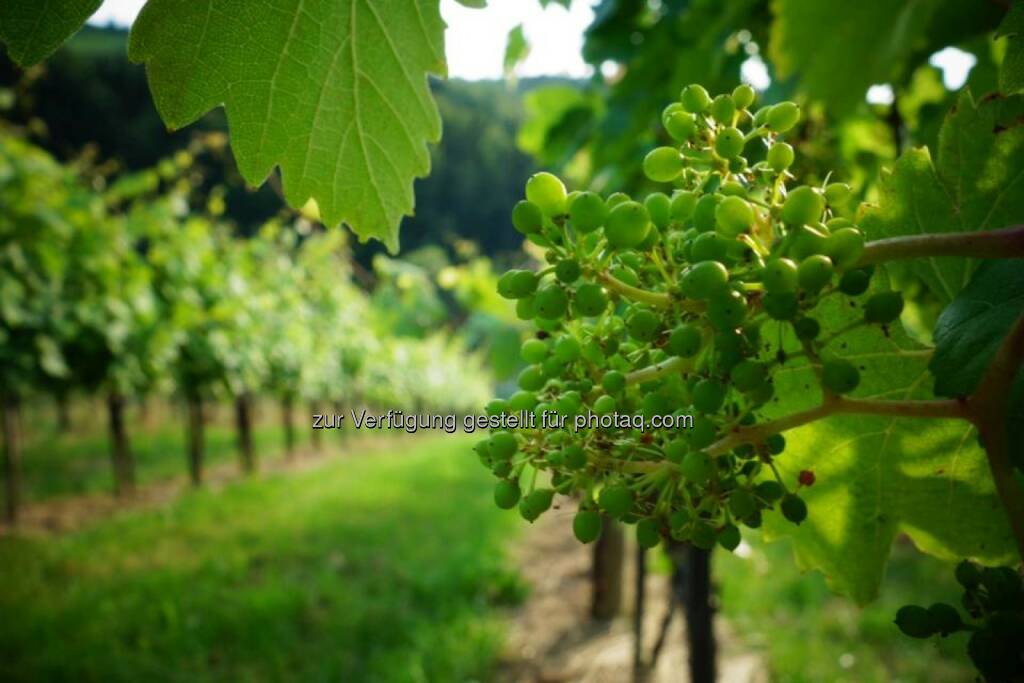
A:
x: 976, y: 183
x: 879, y: 476
x: 969, y: 332
x: 1011, y: 74
x: 516, y: 49
x: 32, y: 31
x: 334, y: 93
x: 473, y: 4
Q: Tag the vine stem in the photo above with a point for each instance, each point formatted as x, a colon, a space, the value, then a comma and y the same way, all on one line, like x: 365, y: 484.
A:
x: 1004, y: 243
x: 657, y: 299
x: 653, y: 372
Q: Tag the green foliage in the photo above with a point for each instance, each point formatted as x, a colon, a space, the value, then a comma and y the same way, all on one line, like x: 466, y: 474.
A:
x: 1011, y: 76
x: 33, y: 30
x: 517, y: 49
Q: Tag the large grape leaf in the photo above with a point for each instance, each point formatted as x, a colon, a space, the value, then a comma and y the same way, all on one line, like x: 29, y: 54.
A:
x: 33, y: 30
x: 878, y: 476
x: 1011, y: 73
x: 975, y: 183
x: 334, y: 92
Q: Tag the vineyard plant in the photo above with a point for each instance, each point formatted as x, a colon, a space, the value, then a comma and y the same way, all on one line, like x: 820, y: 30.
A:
x: 743, y: 313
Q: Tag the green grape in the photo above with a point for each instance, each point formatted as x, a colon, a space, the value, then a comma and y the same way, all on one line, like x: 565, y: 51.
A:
x: 527, y: 217
x: 521, y: 283
x: 575, y: 457
x: 615, y: 199
x: 708, y: 395
x: 780, y: 156
x: 547, y: 192
x: 533, y: 351
x: 681, y: 125
x: 743, y: 96
x: 663, y: 164
x: 723, y: 109
x: 586, y: 526
x: 708, y: 246
x: 703, y: 536
x: 683, y: 204
x: 590, y: 300
x: 502, y: 445
x: 679, y: 518
x: 539, y: 500
x: 806, y: 328
x: 697, y: 467
x: 567, y: 349
x: 704, y: 213
x: 945, y: 618
x: 779, y: 275
x: 626, y: 274
x: 793, y: 508
x: 686, y: 341
x: 854, y: 282
x: 613, y: 381
x: 525, y: 310
x: 556, y: 458
x: 531, y: 379
x: 915, y: 621
x: 552, y: 367
x: 815, y: 272
x: 551, y: 302
x: 695, y: 98
x: 839, y: 376
x: 803, y: 206
x: 733, y: 216
x: 627, y: 225
x: 676, y: 450
x: 643, y: 326
x: 496, y: 406
x: 648, y: 535
x: 733, y: 189
x: 506, y: 494
x: 845, y: 247
x: 616, y: 500
x: 748, y: 375
x: 659, y: 206
x: 727, y: 310
x: 769, y: 491
x: 505, y: 284
x: 742, y: 503
x: 783, y: 116
x: 737, y: 165
x: 729, y: 143
x: 761, y: 116
x: 729, y: 537
x: 568, y: 270
x: 671, y: 109
x: 703, y: 434
x: 705, y: 279
x: 837, y: 193
x: 807, y: 242
x: 522, y: 400
x: 883, y: 308
x: 968, y: 574
x: 588, y: 212
x: 604, y: 405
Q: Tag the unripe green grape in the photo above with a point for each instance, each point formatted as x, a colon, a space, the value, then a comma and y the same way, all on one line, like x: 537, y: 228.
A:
x: 729, y: 537
x: 729, y: 143
x: 761, y: 116
x: 556, y: 458
x: 807, y: 241
x: 854, y: 282
x: 663, y: 164
x: 552, y: 367
x: 839, y: 376
x: 547, y: 192
x: 527, y: 217
x: 590, y: 300
x: 671, y: 109
x: 613, y: 381
x: 502, y: 468
x: 568, y: 270
x: 643, y: 326
x: 708, y: 246
x: 794, y: 508
x: 502, y: 445
x: 837, y: 193
x: 769, y: 491
x: 695, y: 98
x: 705, y: 279
x: 704, y: 213
x: 676, y: 450
x: 733, y: 189
x: 523, y: 283
x: 697, y: 467
x: 659, y: 206
x: 783, y: 116
x: 505, y: 287
x: 845, y: 247
x: 703, y: 536
x: 708, y: 395
x: 815, y: 272
x: 551, y: 302
x: 723, y: 109
x: 627, y: 225
x: 780, y: 275
x: 616, y: 198
x: 742, y: 504
x: 945, y: 618
x: 531, y: 379
x: 575, y: 457
x: 743, y: 96
x: 683, y: 204
x: 648, y: 535
x: 496, y: 406
x: 567, y: 349
x: 968, y: 574
x: 586, y: 526
x: 781, y: 305
x: 522, y: 400
x: 737, y: 165
x: 803, y: 206
x: 685, y: 341
x: 525, y: 309
x: 748, y: 375
x: 588, y: 212
x: 506, y: 494
x: 733, y: 216
x: 915, y: 621
x: 806, y: 328
x: 533, y: 351
x: 702, y: 434
x: 883, y: 308
x: 727, y: 310
x: 539, y: 500
x: 681, y: 125
x: 604, y: 405
x: 780, y: 156
x: 616, y: 500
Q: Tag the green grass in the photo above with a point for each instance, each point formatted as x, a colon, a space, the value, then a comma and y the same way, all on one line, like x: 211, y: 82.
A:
x: 371, y: 568
x: 807, y: 634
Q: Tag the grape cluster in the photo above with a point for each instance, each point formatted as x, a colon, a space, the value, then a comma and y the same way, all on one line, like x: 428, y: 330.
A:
x: 655, y: 306
x: 994, y: 600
